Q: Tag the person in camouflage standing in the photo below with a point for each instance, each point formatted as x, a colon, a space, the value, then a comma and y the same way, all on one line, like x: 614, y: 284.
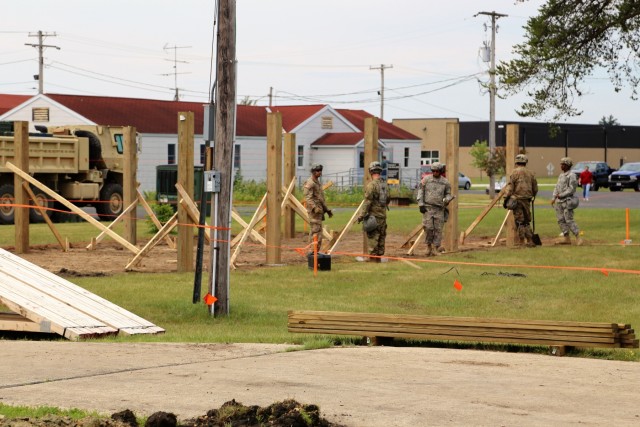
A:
x: 434, y: 194
x: 316, y: 206
x: 522, y: 188
x: 563, y: 196
x: 376, y: 200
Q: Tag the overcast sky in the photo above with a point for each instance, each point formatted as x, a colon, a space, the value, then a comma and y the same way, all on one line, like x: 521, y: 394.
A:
x: 309, y: 52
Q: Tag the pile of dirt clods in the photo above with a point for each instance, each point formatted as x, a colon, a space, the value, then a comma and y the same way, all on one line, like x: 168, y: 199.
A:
x: 287, y: 413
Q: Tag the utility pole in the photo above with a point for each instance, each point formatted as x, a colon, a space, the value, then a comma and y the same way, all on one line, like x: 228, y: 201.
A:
x: 492, y: 94
x: 382, y: 67
x: 40, y: 35
x: 175, y: 48
x: 270, y: 96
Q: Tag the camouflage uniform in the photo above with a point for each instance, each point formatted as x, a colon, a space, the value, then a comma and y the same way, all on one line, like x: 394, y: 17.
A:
x: 565, y: 189
x: 376, y: 199
x: 523, y: 186
x: 316, y: 208
x: 433, y: 194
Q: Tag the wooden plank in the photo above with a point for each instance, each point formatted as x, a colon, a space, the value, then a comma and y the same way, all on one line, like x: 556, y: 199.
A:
x: 166, y: 229
x: 480, y: 217
x: 63, y: 243
x: 245, y: 232
x: 346, y: 228
x: 409, y: 242
x: 255, y: 236
x: 154, y: 219
x: 113, y: 223
x: 192, y: 210
x: 506, y: 217
x: 416, y: 242
x: 15, y: 322
x: 72, y: 207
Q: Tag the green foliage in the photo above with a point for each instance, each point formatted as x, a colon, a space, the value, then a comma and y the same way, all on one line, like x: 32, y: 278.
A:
x: 149, y: 195
x: 163, y: 213
x: 564, y: 44
x: 608, y: 121
x: 247, y: 191
x: 491, y: 165
x: 41, y: 411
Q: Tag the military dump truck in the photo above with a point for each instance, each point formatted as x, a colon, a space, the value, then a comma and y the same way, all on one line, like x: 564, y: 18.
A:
x: 82, y: 163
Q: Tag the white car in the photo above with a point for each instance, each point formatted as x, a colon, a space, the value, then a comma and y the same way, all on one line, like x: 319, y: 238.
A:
x: 498, y: 185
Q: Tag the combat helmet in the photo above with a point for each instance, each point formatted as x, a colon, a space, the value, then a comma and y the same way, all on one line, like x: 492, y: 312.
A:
x: 316, y: 167
x: 375, y: 167
x: 522, y: 158
x: 566, y: 161
x: 437, y: 167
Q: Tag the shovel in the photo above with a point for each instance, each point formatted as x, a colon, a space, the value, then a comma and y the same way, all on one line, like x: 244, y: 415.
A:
x: 535, y: 237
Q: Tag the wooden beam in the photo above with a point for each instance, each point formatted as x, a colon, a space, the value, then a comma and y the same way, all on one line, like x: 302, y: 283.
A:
x: 166, y: 229
x: 154, y: 219
x: 450, y: 238
x: 506, y: 217
x: 64, y: 244
x: 510, y: 154
x: 20, y: 197
x: 98, y: 239
x: 274, y: 183
x: 186, y: 179
x: 480, y: 217
x: 346, y: 228
x: 129, y: 183
x: 245, y: 232
x: 72, y: 207
x: 192, y: 210
x: 289, y: 176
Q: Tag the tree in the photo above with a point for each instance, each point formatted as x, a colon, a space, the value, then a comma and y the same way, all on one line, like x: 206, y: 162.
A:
x: 491, y: 165
x: 608, y: 121
x: 565, y: 43
x: 248, y: 101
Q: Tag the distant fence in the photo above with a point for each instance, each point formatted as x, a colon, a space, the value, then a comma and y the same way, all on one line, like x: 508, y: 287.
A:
x: 409, y: 177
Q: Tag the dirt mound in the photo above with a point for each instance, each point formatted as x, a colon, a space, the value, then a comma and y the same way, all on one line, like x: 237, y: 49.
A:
x: 287, y: 413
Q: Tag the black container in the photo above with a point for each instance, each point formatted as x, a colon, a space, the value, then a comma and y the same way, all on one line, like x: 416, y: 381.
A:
x: 324, y: 261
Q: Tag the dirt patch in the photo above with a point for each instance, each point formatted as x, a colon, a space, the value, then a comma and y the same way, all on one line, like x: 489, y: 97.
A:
x: 287, y: 413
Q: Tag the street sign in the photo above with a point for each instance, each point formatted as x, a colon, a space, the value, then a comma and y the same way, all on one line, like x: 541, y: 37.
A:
x: 393, y: 173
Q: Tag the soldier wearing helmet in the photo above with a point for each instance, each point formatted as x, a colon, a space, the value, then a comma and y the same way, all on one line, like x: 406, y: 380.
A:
x: 565, y: 201
x: 376, y: 201
x: 316, y: 206
x: 434, y: 194
x: 519, y: 193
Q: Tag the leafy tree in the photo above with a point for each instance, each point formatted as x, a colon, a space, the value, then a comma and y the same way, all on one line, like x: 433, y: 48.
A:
x: 491, y: 165
x: 608, y: 121
x: 565, y: 43
x: 248, y: 101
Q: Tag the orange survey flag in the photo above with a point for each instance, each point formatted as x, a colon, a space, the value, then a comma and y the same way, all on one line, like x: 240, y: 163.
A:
x: 457, y: 285
x: 210, y: 299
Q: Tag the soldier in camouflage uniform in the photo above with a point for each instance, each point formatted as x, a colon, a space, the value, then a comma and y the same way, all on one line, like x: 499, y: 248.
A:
x: 523, y: 187
x: 316, y: 206
x: 562, y: 194
x: 376, y: 200
x: 434, y: 194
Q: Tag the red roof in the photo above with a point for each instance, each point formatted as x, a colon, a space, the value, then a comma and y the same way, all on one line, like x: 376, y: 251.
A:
x: 385, y: 129
x: 294, y: 115
x: 9, y: 102
x: 341, y: 138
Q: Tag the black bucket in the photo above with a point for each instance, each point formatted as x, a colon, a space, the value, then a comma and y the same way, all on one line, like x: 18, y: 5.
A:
x: 324, y: 261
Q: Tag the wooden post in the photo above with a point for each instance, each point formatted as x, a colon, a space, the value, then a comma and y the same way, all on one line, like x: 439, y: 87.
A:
x: 20, y: 196
x: 289, y: 175
x: 274, y: 184
x: 510, y: 155
x: 450, y: 238
x: 129, y: 183
x: 185, y: 179
x: 224, y: 136
x: 370, y: 155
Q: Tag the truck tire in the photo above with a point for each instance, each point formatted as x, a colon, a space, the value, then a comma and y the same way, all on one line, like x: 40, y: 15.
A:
x: 111, y: 202
x: 34, y: 213
x: 595, y: 187
x: 7, y: 210
x: 612, y: 188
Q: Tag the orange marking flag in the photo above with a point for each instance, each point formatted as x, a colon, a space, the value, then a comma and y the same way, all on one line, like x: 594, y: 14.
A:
x: 210, y: 299
x: 457, y: 285
x: 605, y: 272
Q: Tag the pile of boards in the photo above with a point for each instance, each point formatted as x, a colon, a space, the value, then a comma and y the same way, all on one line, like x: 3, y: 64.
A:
x: 475, y: 329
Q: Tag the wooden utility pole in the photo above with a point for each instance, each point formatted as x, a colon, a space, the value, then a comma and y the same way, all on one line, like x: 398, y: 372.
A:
x: 185, y: 179
x: 274, y: 186
x: 289, y: 174
x: 452, y: 159
x: 513, y: 140
x: 21, y: 198
x: 225, y: 120
x: 130, y: 187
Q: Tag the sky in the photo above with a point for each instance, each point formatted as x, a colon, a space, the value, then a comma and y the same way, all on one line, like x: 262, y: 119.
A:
x: 303, y: 52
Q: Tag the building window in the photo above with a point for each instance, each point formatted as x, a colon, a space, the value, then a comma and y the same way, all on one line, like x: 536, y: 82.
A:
x: 171, y: 154
x: 203, y: 150
x: 40, y: 114
x: 236, y: 156
x: 300, y: 156
x: 361, y: 163
x: 327, y: 122
x: 119, y: 142
x: 406, y: 157
x: 429, y: 157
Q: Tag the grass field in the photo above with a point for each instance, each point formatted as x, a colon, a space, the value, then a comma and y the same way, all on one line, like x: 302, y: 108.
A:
x: 599, y: 282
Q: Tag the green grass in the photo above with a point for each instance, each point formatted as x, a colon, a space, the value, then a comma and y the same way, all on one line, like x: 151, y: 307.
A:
x: 561, y: 283
x: 42, y: 411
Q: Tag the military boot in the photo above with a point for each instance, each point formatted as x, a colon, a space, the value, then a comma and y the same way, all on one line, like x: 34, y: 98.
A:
x: 429, y: 250
x: 439, y: 250
x: 564, y: 240
x: 579, y: 241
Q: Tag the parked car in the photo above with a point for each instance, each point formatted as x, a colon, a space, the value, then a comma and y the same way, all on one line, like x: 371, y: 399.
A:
x: 497, y: 185
x: 464, y: 181
x: 628, y: 176
x: 600, y: 171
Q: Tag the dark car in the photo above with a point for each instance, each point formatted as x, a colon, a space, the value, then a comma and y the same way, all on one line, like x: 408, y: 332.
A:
x: 600, y: 171
x: 628, y: 176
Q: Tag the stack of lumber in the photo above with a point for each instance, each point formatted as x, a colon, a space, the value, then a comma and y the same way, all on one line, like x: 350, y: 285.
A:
x: 476, y: 329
